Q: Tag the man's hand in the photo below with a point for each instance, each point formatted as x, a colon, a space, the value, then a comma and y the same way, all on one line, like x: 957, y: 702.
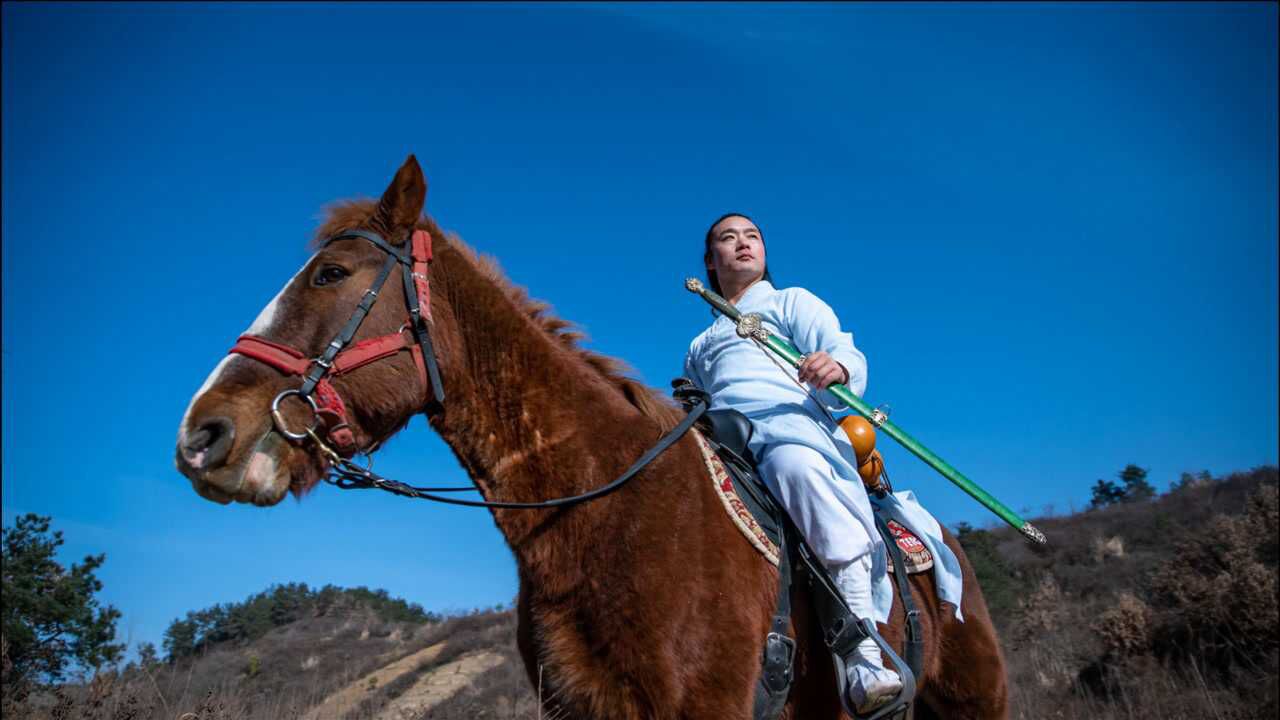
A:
x: 821, y: 370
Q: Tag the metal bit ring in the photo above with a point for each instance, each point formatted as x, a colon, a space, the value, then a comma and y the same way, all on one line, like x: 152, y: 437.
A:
x: 279, y: 419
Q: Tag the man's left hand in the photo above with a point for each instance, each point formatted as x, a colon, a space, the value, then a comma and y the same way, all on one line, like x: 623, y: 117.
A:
x: 821, y: 370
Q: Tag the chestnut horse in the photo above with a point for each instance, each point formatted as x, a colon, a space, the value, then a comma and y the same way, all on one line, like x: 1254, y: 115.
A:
x: 647, y: 603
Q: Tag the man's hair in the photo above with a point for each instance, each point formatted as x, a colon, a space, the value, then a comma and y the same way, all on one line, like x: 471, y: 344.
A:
x: 714, y: 281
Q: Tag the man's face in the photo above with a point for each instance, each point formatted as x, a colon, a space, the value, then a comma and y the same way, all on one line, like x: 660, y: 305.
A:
x: 736, y: 249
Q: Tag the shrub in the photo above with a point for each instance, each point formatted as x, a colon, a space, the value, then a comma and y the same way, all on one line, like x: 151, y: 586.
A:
x: 1216, y: 599
x: 1041, y: 612
x: 1125, y: 627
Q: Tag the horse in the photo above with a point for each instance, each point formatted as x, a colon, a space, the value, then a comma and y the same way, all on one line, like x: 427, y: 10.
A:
x: 645, y: 603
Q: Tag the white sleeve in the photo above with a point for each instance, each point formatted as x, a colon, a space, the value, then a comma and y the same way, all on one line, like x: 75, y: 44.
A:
x: 691, y: 370
x: 814, y: 326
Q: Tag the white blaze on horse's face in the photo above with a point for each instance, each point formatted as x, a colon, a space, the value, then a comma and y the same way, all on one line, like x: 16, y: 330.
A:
x: 266, y: 320
x: 260, y: 477
x: 204, y: 388
x: 262, y: 325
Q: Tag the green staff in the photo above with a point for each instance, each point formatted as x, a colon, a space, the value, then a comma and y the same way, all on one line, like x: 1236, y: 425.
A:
x: 749, y: 325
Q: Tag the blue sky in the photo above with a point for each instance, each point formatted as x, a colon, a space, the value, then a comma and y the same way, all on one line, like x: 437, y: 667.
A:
x: 1051, y: 228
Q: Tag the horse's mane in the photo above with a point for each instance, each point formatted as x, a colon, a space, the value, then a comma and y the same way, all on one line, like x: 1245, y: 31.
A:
x: 356, y: 213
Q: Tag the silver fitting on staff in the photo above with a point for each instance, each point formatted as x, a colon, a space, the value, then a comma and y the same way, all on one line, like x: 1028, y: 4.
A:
x: 693, y: 284
x: 1033, y: 533
x: 879, y: 416
x: 750, y: 325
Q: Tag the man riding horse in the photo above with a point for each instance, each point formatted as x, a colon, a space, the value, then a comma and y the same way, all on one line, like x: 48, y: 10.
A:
x: 615, y: 619
x: 804, y: 456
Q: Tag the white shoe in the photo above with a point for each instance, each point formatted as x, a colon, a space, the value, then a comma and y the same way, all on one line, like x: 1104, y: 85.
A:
x: 870, y: 683
x: 871, y: 686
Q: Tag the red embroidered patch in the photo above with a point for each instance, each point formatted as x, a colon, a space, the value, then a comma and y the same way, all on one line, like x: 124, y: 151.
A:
x: 916, y: 557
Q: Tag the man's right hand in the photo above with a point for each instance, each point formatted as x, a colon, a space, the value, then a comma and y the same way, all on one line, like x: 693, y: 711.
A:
x: 822, y: 371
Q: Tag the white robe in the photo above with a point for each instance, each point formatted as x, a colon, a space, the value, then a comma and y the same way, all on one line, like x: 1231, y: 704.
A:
x: 738, y: 374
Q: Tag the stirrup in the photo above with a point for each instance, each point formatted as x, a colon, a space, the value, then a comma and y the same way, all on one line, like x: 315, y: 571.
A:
x: 898, y: 708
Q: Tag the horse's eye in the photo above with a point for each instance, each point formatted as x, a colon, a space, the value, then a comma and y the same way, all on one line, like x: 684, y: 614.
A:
x: 330, y: 275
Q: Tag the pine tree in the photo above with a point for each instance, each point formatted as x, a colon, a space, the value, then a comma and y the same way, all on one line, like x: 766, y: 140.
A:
x: 1136, y: 487
x: 51, y: 617
x: 148, y: 657
x: 1105, y: 493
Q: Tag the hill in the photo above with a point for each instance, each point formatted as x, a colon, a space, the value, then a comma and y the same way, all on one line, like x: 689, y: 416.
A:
x: 1164, y: 607
x: 291, y: 652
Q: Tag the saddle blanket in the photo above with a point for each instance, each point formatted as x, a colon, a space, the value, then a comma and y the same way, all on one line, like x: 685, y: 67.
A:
x: 738, y: 512
x: 916, y: 557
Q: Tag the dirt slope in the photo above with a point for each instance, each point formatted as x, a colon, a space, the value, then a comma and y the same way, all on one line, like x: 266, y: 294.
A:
x: 346, y: 699
x: 439, y: 685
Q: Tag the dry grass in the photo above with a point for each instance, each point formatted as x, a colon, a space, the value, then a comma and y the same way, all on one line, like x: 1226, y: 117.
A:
x: 277, y: 677
x: 1181, y: 625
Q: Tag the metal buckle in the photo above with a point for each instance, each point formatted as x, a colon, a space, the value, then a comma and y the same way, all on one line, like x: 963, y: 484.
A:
x: 774, y: 644
x: 835, y: 632
x: 786, y: 640
x: 278, y: 419
x: 914, y: 629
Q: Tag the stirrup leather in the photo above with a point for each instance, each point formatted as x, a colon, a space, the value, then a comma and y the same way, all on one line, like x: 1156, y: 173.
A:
x: 842, y: 631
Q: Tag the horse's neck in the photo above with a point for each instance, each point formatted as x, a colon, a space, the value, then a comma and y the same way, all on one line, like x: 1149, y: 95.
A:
x: 521, y: 414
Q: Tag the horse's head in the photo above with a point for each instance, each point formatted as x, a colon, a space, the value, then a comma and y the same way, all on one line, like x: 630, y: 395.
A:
x: 228, y: 444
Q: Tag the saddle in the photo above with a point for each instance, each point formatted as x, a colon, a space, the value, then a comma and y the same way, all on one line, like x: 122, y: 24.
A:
x: 728, y: 433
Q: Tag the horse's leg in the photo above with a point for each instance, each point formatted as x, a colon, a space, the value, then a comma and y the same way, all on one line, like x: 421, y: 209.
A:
x: 968, y: 680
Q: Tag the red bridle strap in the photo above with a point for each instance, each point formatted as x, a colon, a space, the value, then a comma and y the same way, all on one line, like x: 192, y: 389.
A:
x: 281, y: 357
x: 292, y: 362
x: 367, y: 351
x: 421, y: 253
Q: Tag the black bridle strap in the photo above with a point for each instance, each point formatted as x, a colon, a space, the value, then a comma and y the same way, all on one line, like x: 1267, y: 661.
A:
x: 322, y: 364
x: 374, y: 238
x: 433, y: 369
x: 350, y: 476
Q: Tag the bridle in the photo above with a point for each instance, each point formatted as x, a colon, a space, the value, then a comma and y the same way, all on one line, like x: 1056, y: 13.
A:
x: 328, y: 411
x: 330, y: 430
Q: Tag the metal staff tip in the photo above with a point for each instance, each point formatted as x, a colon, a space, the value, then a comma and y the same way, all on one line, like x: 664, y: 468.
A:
x: 1033, y: 533
x: 693, y: 285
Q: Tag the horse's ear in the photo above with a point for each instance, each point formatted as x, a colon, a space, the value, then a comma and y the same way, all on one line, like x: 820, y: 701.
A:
x: 401, y: 205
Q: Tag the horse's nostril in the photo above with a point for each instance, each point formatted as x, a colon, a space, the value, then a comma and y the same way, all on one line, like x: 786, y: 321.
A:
x: 207, y: 446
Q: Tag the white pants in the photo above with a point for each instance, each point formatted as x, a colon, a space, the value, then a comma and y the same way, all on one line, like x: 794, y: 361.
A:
x: 834, y: 515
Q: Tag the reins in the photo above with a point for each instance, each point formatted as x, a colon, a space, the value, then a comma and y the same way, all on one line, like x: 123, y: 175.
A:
x: 329, y: 412
x: 345, y: 474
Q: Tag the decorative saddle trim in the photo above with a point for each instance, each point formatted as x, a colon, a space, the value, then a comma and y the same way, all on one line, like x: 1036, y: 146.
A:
x: 733, y: 505
x: 915, y: 556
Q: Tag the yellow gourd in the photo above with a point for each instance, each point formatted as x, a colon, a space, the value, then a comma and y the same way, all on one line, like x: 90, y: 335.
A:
x: 863, y: 437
